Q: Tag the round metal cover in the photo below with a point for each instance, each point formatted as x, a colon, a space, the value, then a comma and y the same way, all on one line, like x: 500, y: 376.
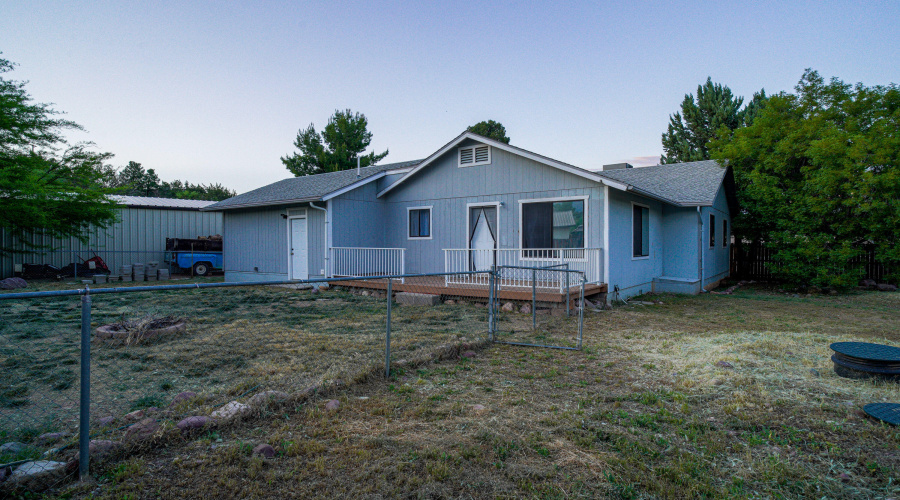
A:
x: 886, y: 412
x: 868, y: 351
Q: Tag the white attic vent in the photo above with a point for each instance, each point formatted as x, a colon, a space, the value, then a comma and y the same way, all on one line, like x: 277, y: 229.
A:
x: 474, y: 155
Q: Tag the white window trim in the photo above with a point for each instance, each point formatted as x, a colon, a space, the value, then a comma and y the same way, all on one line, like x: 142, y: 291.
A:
x: 474, y: 163
x: 430, y: 209
x: 469, y: 207
x: 649, y: 241
x: 587, y: 233
x: 300, y: 214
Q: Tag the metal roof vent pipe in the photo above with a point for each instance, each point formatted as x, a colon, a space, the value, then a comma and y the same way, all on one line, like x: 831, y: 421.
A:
x: 357, y: 167
x: 617, y: 166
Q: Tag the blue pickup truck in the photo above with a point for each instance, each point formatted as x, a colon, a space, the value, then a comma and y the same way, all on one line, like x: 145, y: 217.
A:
x: 199, y: 256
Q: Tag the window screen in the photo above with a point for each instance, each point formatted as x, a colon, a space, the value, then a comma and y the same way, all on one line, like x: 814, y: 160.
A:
x: 553, y: 224
x: 640, y: 231
x: 712, y: 230
x: 420, y: 223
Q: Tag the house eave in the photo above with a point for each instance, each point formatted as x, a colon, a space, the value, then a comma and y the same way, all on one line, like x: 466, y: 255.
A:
x: 274, y: 203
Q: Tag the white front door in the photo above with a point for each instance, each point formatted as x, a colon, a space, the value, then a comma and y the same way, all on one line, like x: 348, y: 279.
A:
x: 299, y: 250
x: 483, y: 244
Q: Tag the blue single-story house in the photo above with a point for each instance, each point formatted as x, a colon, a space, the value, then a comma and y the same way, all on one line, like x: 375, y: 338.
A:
x: 476, y: 202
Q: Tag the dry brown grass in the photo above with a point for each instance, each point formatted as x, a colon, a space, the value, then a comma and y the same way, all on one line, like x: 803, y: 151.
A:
x: 642, y: 412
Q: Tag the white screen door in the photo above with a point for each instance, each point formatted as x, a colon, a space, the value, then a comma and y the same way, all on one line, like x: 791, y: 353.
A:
x: 482, y: 240
x: 299, y: 250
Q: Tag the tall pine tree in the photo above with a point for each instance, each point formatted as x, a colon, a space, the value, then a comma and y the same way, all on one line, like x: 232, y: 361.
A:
x: 700, y: 119
x: 335, y: 149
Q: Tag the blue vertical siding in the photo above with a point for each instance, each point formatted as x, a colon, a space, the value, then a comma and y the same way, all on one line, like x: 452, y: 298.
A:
x: 448, y: 189
x: 633, y: 275
x: 256, y: 243
x: 716, y: 260
x: 681, y: 242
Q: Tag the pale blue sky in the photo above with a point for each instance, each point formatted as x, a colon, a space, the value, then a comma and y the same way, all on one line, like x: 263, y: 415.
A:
x: 215, y: 92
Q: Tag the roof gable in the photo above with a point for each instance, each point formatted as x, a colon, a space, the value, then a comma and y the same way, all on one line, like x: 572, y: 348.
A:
x: 506, y: 147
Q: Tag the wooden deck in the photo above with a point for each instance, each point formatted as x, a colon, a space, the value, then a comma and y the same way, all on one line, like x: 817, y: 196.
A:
x: 436, y: 286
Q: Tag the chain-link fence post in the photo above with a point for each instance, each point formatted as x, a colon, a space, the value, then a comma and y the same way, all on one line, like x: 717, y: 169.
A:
x: 567, y: 289
x: 491, y: 305
x: 84, y: 425
x: 534, y: 299
x: 387, y: 344
x: 581, y: 313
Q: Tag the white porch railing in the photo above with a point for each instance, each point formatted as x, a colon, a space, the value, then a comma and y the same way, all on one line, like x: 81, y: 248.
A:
x: 362, y: 262
x: 587, y: 260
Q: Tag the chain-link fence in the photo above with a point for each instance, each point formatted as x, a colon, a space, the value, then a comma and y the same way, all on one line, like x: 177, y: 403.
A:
x: 122, y: 368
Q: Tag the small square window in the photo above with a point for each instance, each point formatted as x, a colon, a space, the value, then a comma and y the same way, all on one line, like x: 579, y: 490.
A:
x: 420, y: 223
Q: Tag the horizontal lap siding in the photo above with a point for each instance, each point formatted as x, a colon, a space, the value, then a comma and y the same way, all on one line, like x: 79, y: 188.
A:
x: 508, y: 179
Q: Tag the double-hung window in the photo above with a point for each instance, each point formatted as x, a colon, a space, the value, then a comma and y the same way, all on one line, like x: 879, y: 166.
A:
x: 640, y: 231
x: 724, y: 232
x: 712, y: 230
x: 553, y: 229
x: 420, y: 223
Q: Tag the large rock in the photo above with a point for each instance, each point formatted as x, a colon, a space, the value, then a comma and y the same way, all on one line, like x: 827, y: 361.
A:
x: 264, y: 450
x: 37, y: 475
x: 264, y: 398
x: 230, y: 410
x: 102, y: 449
x: 886, y: 287
x: 417, y: 299
x: 525, y: 309
x: 50, y: 438
x: 181, y: 397
x: 142, y: 431
x: 508, y: 307
x: 195, y: 423
x: 332, y: 405
x: 12, y: 447
x: 868, y: 284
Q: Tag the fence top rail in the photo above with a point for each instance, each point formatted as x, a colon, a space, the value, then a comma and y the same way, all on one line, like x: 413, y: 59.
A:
x: 540, y: 268
x: 133, y: 289
x: 520, y: 249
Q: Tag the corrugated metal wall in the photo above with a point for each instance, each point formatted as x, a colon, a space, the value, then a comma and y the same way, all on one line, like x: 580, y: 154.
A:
x: 142, y: 231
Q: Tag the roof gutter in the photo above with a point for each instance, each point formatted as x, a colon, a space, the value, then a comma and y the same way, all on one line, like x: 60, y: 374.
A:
x: 327, y: 243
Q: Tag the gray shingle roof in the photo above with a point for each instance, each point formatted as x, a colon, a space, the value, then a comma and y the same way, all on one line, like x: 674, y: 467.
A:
x: 691, y: 183
x: 307, y: 188
x: 149, y: 202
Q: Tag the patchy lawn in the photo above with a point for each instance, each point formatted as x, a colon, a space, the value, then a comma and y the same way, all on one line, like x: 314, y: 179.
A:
x: 238, y: 341
x: 642, y: 411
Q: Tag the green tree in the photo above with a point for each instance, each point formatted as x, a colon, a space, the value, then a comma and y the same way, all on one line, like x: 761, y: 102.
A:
x: 818, y: 172
x: 344, y: 138
x: 690, y: 130
x: 492, y: 129
x: 47, y: 186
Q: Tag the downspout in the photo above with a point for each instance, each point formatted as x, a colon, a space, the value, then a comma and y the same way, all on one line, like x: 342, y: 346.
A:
x: 325, y: 241
x: 700, y: 249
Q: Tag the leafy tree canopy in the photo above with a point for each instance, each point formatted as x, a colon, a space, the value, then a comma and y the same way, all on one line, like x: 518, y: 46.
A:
x: 344, y: 138
x: 818, y: 172
x: 47, y: 186
x: 492, y: 129
x: 700, y: 118
x: 133, y: 180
